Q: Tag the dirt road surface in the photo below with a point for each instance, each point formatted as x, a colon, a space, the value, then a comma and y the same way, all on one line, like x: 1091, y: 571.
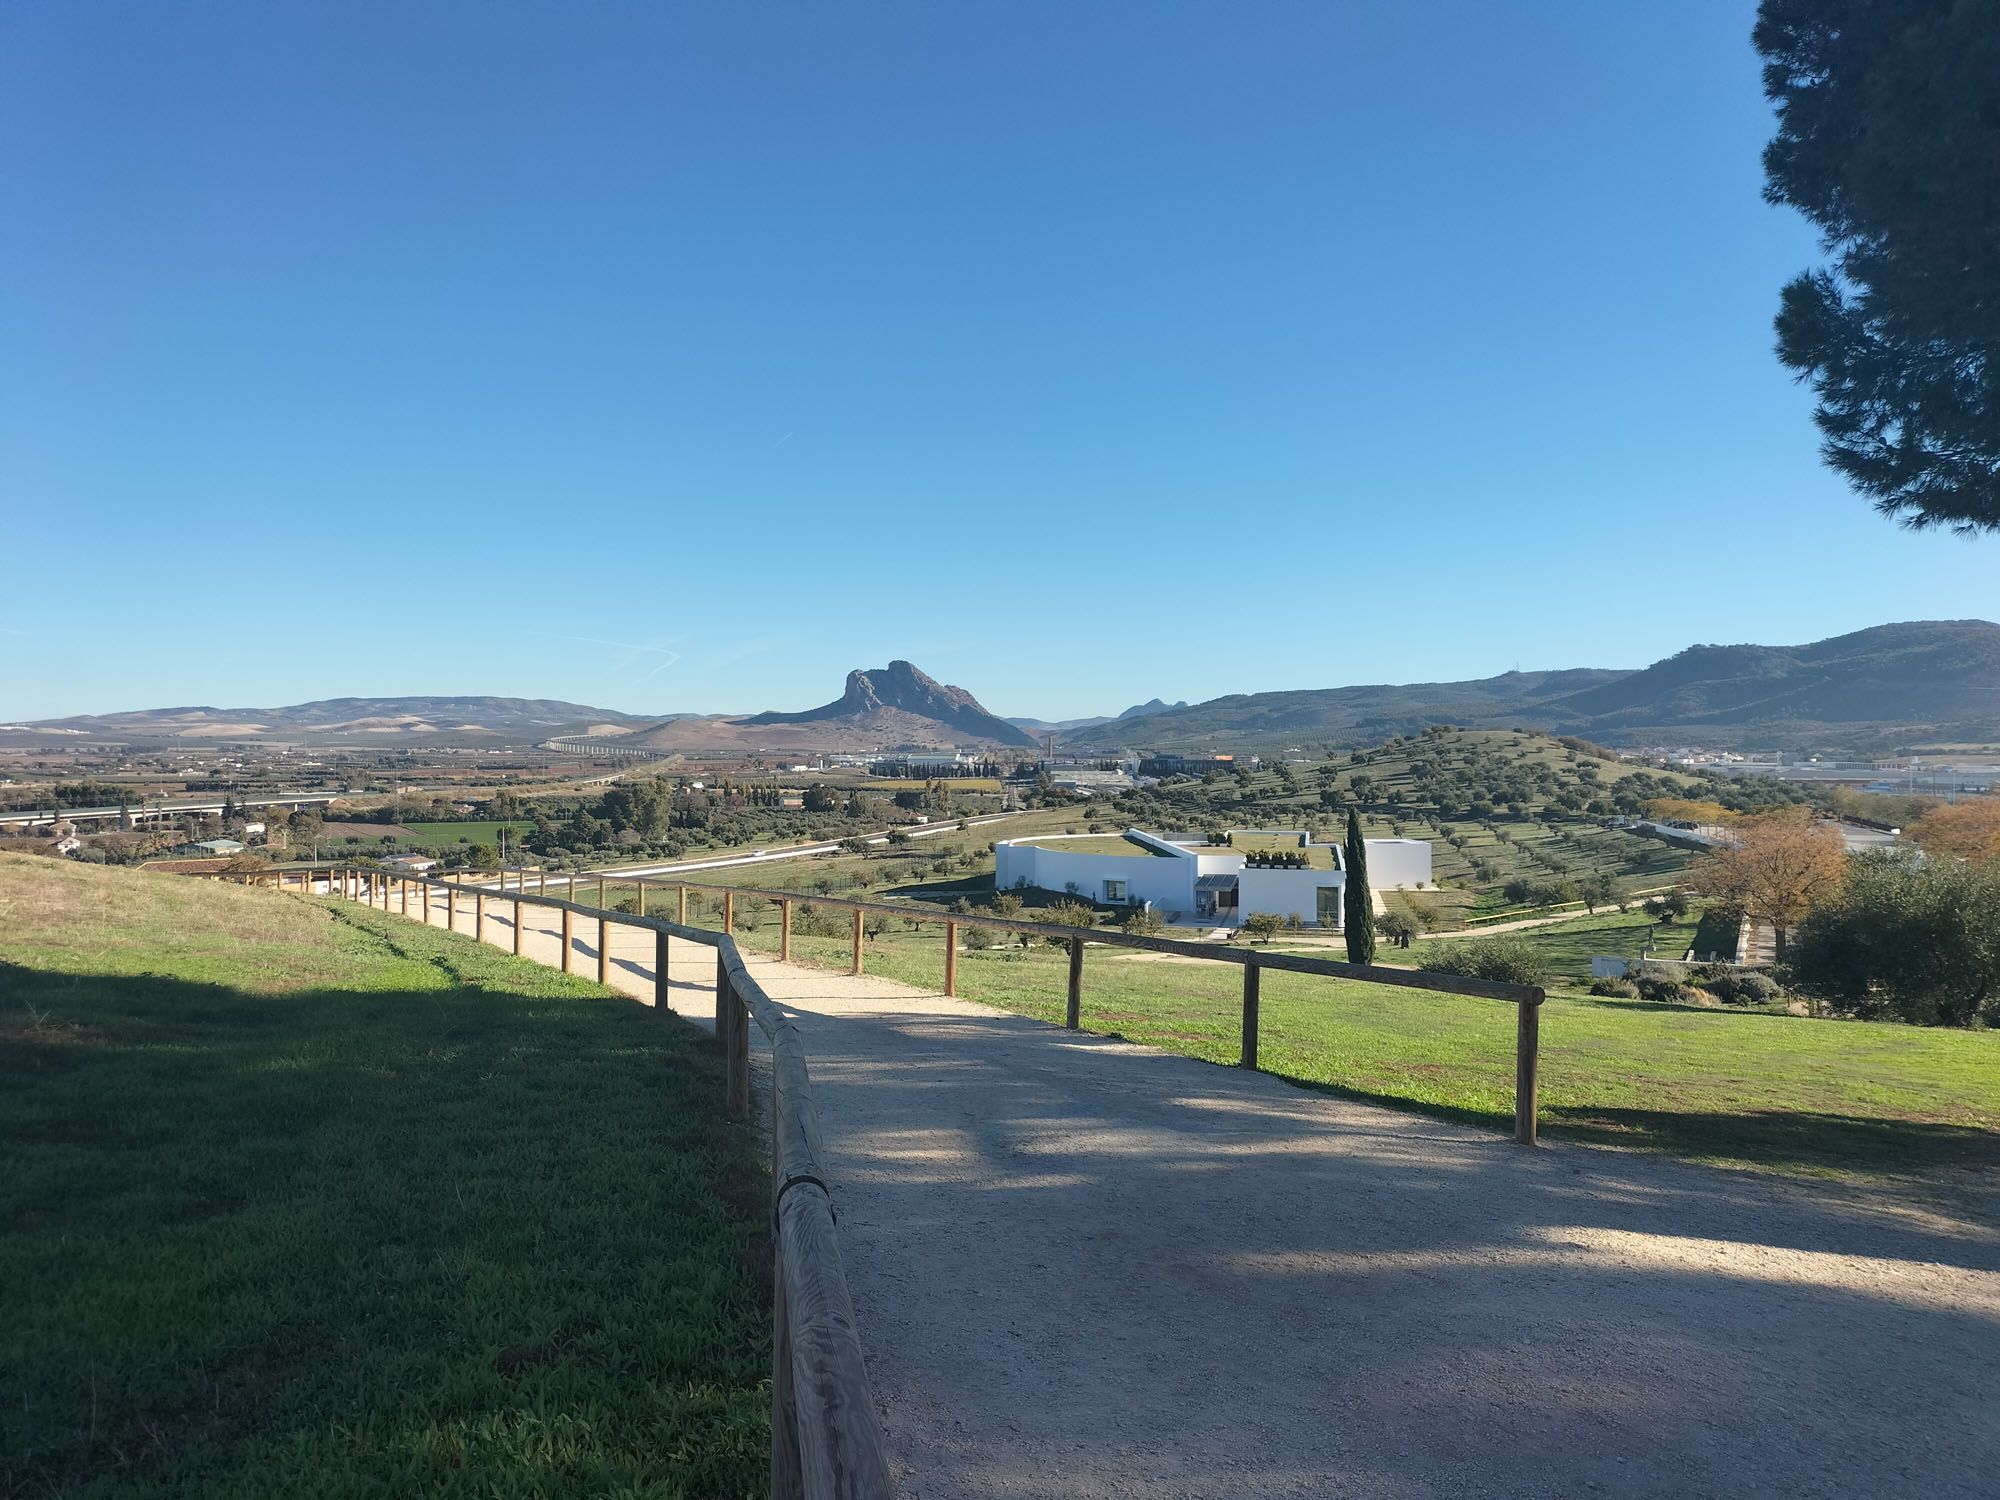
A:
x: 1087, y: 1269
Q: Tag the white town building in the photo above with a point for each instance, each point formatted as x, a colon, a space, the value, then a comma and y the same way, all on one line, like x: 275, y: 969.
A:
x: 1280, y: 871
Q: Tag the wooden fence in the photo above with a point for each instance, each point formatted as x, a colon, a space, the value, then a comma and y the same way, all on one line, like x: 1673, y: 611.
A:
x: 825, y: 1441
x: 1526, y: 999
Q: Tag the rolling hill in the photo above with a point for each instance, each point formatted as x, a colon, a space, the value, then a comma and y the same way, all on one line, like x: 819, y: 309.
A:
x: 366, y: 720
x: 1875, y: 689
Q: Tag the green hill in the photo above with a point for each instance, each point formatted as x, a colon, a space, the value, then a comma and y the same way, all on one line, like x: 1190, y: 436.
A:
x: 305, y: 1199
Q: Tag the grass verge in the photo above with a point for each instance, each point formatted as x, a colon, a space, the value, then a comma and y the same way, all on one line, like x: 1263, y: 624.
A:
x: 1866, y: 1100
x: 306, y: 1200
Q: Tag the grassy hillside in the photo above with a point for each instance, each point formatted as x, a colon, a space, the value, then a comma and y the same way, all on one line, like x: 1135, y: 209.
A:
x: 1872, y: 1102
x: 301, y: 1199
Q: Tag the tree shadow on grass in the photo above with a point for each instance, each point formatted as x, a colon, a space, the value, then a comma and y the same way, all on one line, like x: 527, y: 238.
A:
x: 1788, y: 1140
x: 253, y: 1220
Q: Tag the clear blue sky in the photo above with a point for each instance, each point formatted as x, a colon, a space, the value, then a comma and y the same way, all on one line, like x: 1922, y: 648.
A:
x: 1079, y: 353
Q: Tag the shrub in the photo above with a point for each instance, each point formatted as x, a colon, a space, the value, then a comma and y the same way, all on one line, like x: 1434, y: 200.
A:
x: 979, y: 939
x: 1067, y: 914
x: 1667, y: 991
x: 1625, y: 989
x: 1908, y: 940
x: 1506, y: 960
x: 1144, y: 921
x: 1741, y: 986
x: 1670, y: 906
x: 1263, y: 925
x: 1396, y: 928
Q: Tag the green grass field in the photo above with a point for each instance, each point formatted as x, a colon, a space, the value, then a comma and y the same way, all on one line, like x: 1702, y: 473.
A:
x: 310, y: 1201
x: 1869, y: 1100
x: 1570, y: 946
x: 440, y: 835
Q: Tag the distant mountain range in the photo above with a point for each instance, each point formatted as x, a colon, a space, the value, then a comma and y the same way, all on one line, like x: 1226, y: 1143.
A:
x: 1059, y: 727
x: 1925, y: 681
x: 366, y: 720
x: 1893, y: 686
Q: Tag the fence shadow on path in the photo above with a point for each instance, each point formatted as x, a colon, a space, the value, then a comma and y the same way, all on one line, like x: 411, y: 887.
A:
x: 1086, y: 1258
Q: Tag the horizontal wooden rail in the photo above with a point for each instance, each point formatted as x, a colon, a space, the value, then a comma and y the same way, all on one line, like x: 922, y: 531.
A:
x: 1525, y: 997
x: 826, y: 1442
x: 1228, y: 953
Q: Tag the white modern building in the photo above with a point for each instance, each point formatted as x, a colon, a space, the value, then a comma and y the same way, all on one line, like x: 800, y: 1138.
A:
x: 1280, y: 871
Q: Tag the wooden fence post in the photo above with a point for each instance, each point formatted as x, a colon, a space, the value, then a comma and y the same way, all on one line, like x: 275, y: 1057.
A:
x: 660, y: 984
x: 784, y: 932
x: 725, y: 1030
x: 603, y: 949
x: 857, y: 941
x: 739, y: 1075
x: 788, y: 1480
x: 519, y: 909
x: 1252, y: 978
x: 600, y: 893
x: 638, y: 898
x: 684, y: 906
x: 542, y: 875
x: 1527, y: 1051
x: 450, y: 907
x: 567, y: 937
x: 1073, y: 1016
x: 479, y: 916
x: 951, y: 958
x: 732, y: 1023
x: 729, y: 913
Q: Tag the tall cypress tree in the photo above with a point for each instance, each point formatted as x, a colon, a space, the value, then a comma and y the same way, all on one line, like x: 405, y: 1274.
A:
x: 1357, y: 907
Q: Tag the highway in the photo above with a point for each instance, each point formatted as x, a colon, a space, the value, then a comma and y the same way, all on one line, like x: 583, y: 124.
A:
x: 144, y: 811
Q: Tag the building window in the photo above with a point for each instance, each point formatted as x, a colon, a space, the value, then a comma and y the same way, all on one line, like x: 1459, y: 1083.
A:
x: 1114, y: 892
x: 1328, y: 905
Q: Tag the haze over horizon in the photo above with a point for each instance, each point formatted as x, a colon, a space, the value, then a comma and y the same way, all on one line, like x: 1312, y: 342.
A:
x: 1077, y: 356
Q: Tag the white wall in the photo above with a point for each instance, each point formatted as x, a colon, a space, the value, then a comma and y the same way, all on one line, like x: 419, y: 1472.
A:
x: 1285, y: 893
x: 1398, y: 864
x: 1165, y: 881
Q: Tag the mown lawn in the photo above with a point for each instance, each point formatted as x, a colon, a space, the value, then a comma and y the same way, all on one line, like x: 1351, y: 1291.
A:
x: 441, y: 835
x: 310, y: 1201
x: 1861, y: 1099
x: 1570, y: 946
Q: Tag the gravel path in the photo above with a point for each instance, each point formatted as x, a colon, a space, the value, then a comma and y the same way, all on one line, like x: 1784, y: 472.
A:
x: 1085, y: 1268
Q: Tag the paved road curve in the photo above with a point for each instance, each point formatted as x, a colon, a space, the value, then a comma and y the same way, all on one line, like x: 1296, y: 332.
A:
x: 1085, y: 1268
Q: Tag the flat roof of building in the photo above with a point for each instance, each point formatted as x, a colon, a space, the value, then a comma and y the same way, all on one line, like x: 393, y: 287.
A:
x: 1094, y: 843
